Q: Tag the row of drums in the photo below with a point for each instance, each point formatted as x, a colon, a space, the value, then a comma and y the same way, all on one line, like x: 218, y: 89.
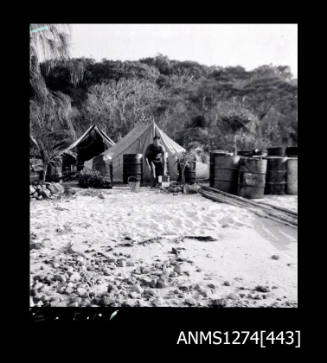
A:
x: 252, y: 177
x: 133, y: 166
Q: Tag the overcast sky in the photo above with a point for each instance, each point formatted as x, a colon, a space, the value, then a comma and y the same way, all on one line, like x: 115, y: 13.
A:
x: 247, y: 45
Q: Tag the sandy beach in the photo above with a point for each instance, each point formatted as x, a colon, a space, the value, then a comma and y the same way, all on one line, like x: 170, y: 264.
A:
x: 114, y: 247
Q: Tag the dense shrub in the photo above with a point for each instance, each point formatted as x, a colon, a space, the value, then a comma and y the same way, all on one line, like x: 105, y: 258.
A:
x: 92, y: 179
x: 214, y: 107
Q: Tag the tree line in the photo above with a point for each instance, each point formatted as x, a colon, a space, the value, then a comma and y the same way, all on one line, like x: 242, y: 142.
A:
x: 196, y: 105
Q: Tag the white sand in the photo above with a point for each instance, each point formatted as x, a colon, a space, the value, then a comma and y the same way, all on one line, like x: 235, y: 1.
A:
x: 241, y: 255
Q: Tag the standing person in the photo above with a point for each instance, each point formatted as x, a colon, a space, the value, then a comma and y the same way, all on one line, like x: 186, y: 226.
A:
x: 156, y: 159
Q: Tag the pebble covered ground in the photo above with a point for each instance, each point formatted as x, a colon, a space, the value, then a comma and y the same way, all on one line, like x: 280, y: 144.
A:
x: 117, y: 248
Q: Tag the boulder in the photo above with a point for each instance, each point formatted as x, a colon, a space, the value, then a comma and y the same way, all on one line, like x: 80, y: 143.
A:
x: 153, y: 283
x: 232, y: 296
x: 137, y: 288
x: 121, y: 262
x: 145, y: 281
x: 190, y: 301
x: 45, y: 193
x: 261, y: 288
x: 178, y: 269
x: 106, y: 300
x: 52, y: 188
x: 129, y: 303
x: 60, y: 278
x: 101, y: 196
x: 59, y: 187
x: 219, y: 303
x: 161, y: 284
x: 157, y: 301
x: 36, y: 245
x: 81, y: 291
x: 148, y: 292
x: 134, y: 295
x: 68, y: 290
x: 75, y: 276
x: 110, y: 287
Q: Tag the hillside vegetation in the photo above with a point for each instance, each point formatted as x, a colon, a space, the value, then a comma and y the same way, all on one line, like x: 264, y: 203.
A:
x: 195, y: 104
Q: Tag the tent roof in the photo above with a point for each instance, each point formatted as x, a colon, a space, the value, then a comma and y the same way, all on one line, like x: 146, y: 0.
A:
x: 105, y: 138
x: 136, y: 133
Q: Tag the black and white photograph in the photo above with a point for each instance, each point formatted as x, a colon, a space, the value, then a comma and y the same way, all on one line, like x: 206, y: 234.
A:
x: 163, y: 165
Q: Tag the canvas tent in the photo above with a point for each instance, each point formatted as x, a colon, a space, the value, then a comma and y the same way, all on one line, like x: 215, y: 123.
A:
x: 93, y: 142
x: 136, y: 142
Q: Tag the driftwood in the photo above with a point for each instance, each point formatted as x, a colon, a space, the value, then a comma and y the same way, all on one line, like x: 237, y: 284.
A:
x: 150, y: 240
x: 201, y: 238
x: 175, y: 239
x: 264, y: 210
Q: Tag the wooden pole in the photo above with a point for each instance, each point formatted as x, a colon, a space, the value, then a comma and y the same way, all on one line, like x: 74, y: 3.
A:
x: 274, y: 213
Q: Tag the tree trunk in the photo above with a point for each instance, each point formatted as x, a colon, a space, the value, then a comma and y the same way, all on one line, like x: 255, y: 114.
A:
x: 45, y: 169
x: 235, y: 144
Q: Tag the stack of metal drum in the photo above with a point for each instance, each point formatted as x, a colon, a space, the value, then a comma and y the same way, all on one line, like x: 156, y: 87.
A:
x: 251, y: 174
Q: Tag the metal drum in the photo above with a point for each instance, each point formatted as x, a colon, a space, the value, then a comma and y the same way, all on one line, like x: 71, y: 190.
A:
x: 292, y: 176
x: 276, y: 175
x: 291, y: 152
x: 275, y: 151
x: 132, y: 166
x: 245, y: 153
x: 252, y: 177
x: 212, y: 164
x: 224, y: 171
x: 104, y: 167
x: 190, y: 173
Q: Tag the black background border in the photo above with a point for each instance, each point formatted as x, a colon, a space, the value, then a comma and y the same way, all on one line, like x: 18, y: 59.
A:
x: 141, y: 326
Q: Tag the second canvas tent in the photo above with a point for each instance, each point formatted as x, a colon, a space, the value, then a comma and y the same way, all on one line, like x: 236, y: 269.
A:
x: 136, y: 142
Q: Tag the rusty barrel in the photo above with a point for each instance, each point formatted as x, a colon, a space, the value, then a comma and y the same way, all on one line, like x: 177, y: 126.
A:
x: 104, y: 167
x: 251, y: 177
x: 132, y: 166
x: 276, y: 176
x: 292, y: 176
x: 291, y: 151
x: 275, y: 151
x: 190, y: 173
x: 224, y: 171
x: 247, y: 153
x: 212, y: 164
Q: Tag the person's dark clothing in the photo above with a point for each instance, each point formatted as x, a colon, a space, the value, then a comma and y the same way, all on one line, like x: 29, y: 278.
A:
x: 154, y: 152
x: 158, y: 167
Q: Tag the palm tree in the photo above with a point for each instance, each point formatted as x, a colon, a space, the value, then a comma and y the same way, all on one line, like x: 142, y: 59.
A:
x: 46, y: 137
x: 50, y: 42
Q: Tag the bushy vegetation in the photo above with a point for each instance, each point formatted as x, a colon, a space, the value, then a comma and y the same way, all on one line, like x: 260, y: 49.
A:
x: 92, y: 179
x: 197, y: 105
